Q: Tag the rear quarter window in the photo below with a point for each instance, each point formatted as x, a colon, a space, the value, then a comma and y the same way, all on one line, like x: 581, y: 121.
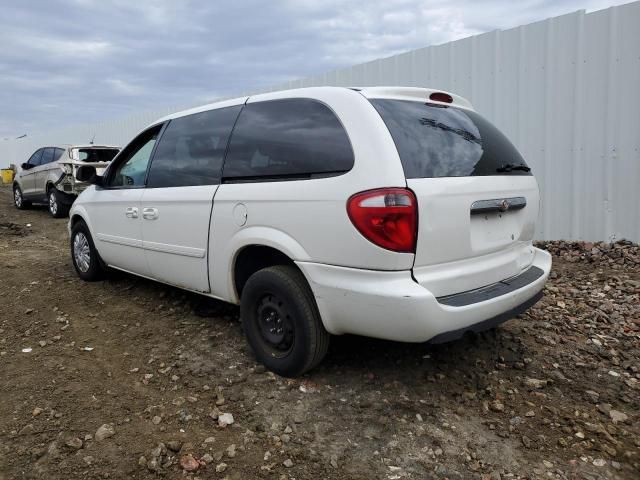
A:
x: 441, y: 141
x: 287, y: 139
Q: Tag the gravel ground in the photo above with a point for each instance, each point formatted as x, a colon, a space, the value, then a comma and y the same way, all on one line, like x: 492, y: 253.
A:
x: 127, y: 378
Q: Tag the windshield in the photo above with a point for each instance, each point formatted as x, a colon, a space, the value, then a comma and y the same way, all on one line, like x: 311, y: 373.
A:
x: 442, y: 141
x: 97, y: 154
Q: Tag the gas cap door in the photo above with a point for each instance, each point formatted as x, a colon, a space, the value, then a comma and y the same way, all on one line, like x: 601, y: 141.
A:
x: 240, y: 214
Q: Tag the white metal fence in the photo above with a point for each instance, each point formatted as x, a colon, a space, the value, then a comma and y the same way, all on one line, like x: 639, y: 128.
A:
x: 565, y: 90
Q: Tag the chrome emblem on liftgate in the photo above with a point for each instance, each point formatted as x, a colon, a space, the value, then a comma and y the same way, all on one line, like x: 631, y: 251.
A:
x: 498, y: 205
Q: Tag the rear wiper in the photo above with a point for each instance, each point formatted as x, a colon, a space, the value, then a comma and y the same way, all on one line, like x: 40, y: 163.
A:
x: 508, y: 167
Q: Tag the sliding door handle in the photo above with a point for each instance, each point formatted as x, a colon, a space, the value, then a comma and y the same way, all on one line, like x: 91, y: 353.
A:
x: 149, y: 213
x: 131, y: 212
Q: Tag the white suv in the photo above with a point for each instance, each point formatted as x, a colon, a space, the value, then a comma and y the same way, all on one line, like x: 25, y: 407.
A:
x: 397, y: 213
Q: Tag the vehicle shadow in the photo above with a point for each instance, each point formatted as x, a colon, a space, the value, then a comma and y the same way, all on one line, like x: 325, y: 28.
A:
x: 352, y: 356
x: 472, y: 355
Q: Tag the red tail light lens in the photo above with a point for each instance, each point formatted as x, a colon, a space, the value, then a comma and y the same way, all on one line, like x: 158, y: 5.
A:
x: 387, y: 217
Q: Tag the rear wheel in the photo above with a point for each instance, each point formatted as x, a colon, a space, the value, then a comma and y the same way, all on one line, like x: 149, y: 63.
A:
x: 281, y: 321
x: 85, y: 257
x: 57, y: 209
x: 18, y: 199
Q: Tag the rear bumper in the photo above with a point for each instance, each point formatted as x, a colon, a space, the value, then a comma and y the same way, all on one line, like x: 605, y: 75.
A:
x: 69, y: 186
x: 392, y: 306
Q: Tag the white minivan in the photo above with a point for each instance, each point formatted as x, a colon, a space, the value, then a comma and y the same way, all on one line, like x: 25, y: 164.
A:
x: 391, y: 212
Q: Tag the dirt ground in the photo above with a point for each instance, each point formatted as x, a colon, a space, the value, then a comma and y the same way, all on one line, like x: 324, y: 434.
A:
x: 127, y: 378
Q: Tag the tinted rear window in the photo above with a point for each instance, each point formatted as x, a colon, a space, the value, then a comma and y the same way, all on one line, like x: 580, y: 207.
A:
x: 192, y: 148
x: 291, y: 138
x: 47, y: 156
x: 439, y: 141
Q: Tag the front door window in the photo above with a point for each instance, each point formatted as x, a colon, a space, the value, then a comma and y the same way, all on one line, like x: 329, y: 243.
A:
x: 131, y: 171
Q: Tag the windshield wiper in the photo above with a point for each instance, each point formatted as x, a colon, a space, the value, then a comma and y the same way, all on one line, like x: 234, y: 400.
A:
x: 509, y: 167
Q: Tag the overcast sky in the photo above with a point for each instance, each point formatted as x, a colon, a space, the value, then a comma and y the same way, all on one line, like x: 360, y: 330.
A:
x: 64, y: 62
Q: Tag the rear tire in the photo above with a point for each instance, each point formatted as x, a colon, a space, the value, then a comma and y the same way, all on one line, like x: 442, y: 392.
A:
x: 57, y: 209
x: 281, y: 321
x: 18, y: 199
x: 86, y: 260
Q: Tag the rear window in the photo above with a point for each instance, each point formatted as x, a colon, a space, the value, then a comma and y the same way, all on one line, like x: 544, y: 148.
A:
x: 97, y: 154
x: 287, y: 139
x: 441, y: 141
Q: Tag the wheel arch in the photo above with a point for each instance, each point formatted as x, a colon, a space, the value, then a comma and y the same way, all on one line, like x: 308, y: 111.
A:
x: 251, y: 240
x: 74, y: 219
x: 254, y: 257
x: 78, y: 214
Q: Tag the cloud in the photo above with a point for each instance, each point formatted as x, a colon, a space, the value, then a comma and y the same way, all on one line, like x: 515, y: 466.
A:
x: 122, y: 87
x: 65, y: 62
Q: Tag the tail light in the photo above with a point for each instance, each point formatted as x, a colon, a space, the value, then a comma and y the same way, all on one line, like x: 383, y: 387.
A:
x: 441, y: 97
x: 387, y: 217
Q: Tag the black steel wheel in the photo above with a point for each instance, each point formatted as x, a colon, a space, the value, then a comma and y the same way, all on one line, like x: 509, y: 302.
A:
x: 275, y: 325
x: 281, y: 321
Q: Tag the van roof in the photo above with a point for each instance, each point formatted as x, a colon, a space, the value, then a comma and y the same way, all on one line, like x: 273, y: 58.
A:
x: 69, y: 145
x: 415, y: 93
x: 400, y: 93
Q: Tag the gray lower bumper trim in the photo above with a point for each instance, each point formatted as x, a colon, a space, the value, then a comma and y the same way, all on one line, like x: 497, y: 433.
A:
x: 487, y: 324
x: 494, y: 290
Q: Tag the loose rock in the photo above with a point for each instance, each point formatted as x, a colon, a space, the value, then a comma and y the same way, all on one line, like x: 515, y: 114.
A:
x: 189, y: 463
x: 105, y: 431
x: 225, y: 419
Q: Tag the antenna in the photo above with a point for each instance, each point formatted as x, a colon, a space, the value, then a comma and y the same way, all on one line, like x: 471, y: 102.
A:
x: 92, y: 139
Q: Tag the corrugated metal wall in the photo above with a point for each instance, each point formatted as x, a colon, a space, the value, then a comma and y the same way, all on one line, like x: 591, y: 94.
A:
x: 565, y: 90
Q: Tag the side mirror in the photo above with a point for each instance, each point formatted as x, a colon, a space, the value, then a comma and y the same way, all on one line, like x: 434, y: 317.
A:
x: 25, y: 166
x: 88, y: 174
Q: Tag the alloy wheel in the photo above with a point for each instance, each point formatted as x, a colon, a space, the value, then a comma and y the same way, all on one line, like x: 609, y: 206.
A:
x: 17, y: 197
x: 53, y: 203
x: 81, y: 252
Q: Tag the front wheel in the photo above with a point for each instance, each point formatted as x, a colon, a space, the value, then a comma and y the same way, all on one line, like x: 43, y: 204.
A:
x: 57, y: 209
x: 18, y: 199
x: 87, y: 262
x: 281, y: 321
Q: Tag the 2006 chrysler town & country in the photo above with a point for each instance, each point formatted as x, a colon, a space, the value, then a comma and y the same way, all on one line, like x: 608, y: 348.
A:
x: 391, y: 212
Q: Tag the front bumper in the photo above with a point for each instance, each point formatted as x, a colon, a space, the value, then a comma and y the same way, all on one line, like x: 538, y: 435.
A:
x: 392, y: 306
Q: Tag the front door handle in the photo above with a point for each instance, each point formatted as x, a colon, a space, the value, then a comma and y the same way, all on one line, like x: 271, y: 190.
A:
x: 149, y: 213
x: 131, y: 212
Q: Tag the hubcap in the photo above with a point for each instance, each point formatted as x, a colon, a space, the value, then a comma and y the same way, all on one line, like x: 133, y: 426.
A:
x: 17, y: 196
x: 53, y: 204
x: 81, y: 252
x: 275, y: 325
